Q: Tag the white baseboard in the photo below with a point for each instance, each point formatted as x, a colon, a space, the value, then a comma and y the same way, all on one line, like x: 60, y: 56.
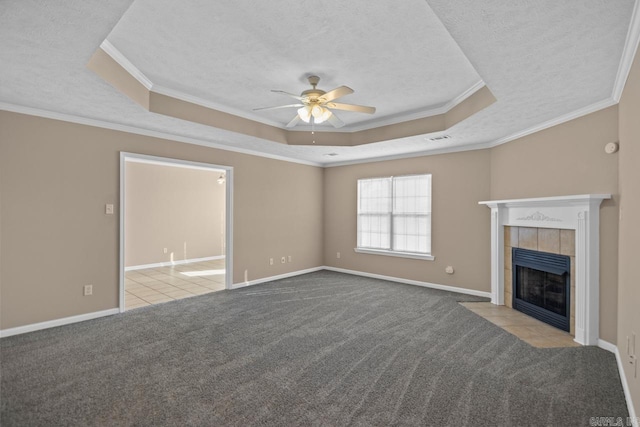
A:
x: 57, y: 322
x: 606, y: 345
x: 635, y: 421
x: 278, y: 277
x: 170, y: 263
x: 413, y: 282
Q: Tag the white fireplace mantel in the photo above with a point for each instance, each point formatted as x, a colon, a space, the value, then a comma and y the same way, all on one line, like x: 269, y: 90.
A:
x: 580, y: 213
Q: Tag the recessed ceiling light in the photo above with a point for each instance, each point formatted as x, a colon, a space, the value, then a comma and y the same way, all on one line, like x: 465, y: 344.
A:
x: 439, y: 138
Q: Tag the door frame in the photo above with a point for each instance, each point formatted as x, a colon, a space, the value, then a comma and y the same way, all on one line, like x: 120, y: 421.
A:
x: 166, y: 161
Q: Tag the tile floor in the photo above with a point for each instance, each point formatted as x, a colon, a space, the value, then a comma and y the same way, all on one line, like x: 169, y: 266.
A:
x: 157, y: 285
x: 528, y: 329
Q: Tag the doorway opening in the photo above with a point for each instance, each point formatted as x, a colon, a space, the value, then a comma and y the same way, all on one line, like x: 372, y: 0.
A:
x: 175, y: 229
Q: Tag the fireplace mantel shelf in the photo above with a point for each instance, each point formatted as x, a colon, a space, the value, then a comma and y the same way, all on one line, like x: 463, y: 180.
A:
x: 576, y: 212
x: 548, y: 201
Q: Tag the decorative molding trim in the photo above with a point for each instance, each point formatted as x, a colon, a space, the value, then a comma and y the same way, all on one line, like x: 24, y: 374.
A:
x: 170, y: 263
x: 125, y: 63
x: 122, y: 60
x: 574, y: 200
x: 145, y: 132
x: 635, y: 421
x: 177, y: 164
x: 411, y: 282
x: 600, y: 105
x: 182, y: 96
x: 538, y: 216
x: 421, y: 153
x: 497, y: 262
x: 272, y: 278
x: 628, y: 53
x: 57, y: 322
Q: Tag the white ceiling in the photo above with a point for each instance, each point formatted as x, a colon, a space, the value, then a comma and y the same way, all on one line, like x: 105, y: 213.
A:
x: 545, y: 61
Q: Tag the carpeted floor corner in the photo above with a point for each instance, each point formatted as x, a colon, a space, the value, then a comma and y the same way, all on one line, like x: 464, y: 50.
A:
x: 322, y: 349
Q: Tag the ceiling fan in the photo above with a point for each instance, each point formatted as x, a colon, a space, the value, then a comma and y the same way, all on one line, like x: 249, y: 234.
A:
x: 315, y: 105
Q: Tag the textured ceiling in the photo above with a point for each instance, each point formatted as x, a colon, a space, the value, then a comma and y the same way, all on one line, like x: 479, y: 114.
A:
x: 542, y: 60
x: 398, y: 59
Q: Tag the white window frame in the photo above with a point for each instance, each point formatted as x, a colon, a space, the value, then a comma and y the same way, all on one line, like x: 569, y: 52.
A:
x: 391, y: 215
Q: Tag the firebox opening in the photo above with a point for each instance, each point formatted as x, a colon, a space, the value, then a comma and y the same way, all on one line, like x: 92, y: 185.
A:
x: 541, y: 286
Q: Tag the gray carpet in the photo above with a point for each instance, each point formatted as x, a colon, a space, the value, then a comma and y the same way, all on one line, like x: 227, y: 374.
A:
x: 320, y: 349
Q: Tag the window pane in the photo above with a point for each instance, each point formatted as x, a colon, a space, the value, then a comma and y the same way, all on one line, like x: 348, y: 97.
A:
x: 374, y: 195
x: 411, y: 233
x: 373, y: 231
x: 412, y: 194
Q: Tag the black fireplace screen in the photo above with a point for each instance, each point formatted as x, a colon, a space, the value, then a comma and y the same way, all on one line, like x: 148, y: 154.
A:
x: 543, y: 289
x: 541, y: 286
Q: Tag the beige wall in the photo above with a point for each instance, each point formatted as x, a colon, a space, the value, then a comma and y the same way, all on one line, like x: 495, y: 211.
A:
x: 56, y: 178
x: 175, y: 208
x: 460, y: 227
x: 629, y: 244
x: 563, y: 160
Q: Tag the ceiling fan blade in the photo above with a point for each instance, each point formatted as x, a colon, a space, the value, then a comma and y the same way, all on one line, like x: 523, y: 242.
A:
x: 294, y: 96
x: 335, y: 121
x: 351, y: 107
x: 279, y: 106
x: 336, y: 93
x: 293, y: 122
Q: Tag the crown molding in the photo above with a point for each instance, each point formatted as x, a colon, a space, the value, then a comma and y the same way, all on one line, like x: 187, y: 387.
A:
x: 145, y: 132
x: 482, y: 145
x: 601, y: 105
x: 628, y: 53
x: 164, y: 135
x: 421, y: 153
x: 122, y: 60
x: 162, y: 90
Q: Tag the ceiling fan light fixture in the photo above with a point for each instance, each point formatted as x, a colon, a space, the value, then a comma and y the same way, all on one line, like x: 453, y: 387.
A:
x: 315, y: 106
x: 305, y: 114
x: 320, y: 114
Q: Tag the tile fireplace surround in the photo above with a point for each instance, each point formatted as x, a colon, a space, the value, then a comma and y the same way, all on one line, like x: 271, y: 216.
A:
x: 580, y: 213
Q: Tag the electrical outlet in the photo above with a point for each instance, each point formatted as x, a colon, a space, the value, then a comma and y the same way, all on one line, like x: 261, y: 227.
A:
x: 338, y: 255
x: 270, y: 261
x: 88, y: 290
x: 283, y: 260
x: 108, y: 209
x: 289, y: 258
x: 165, y: 250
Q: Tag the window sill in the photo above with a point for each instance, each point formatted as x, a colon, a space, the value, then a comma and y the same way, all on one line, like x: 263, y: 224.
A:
x: 425, y: 257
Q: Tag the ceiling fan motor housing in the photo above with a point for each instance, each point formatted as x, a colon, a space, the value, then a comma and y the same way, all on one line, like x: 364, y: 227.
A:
x: 312, y: 95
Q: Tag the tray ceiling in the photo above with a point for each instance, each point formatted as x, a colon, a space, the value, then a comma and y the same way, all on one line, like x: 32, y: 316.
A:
x: 543, y: 61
